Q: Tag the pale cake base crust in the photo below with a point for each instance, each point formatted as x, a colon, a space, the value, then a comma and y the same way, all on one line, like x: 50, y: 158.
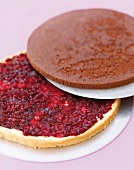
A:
x: 47, y: 142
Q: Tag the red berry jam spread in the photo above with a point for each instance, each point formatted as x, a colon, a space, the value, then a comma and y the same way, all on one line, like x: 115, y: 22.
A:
x: 29, y: 103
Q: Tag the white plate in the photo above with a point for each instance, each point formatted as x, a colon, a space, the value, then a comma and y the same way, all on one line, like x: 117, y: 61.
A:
x: 114, y: 93
x: 18, y: 151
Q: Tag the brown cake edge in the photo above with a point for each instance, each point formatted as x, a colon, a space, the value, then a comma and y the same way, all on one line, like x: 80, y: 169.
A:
x: 79, y: 85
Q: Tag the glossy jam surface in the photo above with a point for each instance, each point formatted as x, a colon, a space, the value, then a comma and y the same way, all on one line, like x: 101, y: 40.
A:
x: 28, y: 102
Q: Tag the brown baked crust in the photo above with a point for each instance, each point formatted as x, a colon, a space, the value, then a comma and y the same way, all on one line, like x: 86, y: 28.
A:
x: 91, y: 48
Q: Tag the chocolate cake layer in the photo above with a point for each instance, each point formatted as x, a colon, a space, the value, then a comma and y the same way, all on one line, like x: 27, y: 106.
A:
x: 91, y: 48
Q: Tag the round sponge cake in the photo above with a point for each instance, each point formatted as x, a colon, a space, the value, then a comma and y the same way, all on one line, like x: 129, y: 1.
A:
x: 91, y: 48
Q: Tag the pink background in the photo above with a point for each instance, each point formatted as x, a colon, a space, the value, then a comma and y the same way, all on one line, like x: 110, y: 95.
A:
x: 18, y: 18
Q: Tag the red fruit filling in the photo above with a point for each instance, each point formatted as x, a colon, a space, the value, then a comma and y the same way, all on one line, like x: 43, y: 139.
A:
x: 28, y: 102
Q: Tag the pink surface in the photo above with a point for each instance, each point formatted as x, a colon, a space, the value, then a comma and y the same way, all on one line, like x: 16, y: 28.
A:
x: 17, y: 20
